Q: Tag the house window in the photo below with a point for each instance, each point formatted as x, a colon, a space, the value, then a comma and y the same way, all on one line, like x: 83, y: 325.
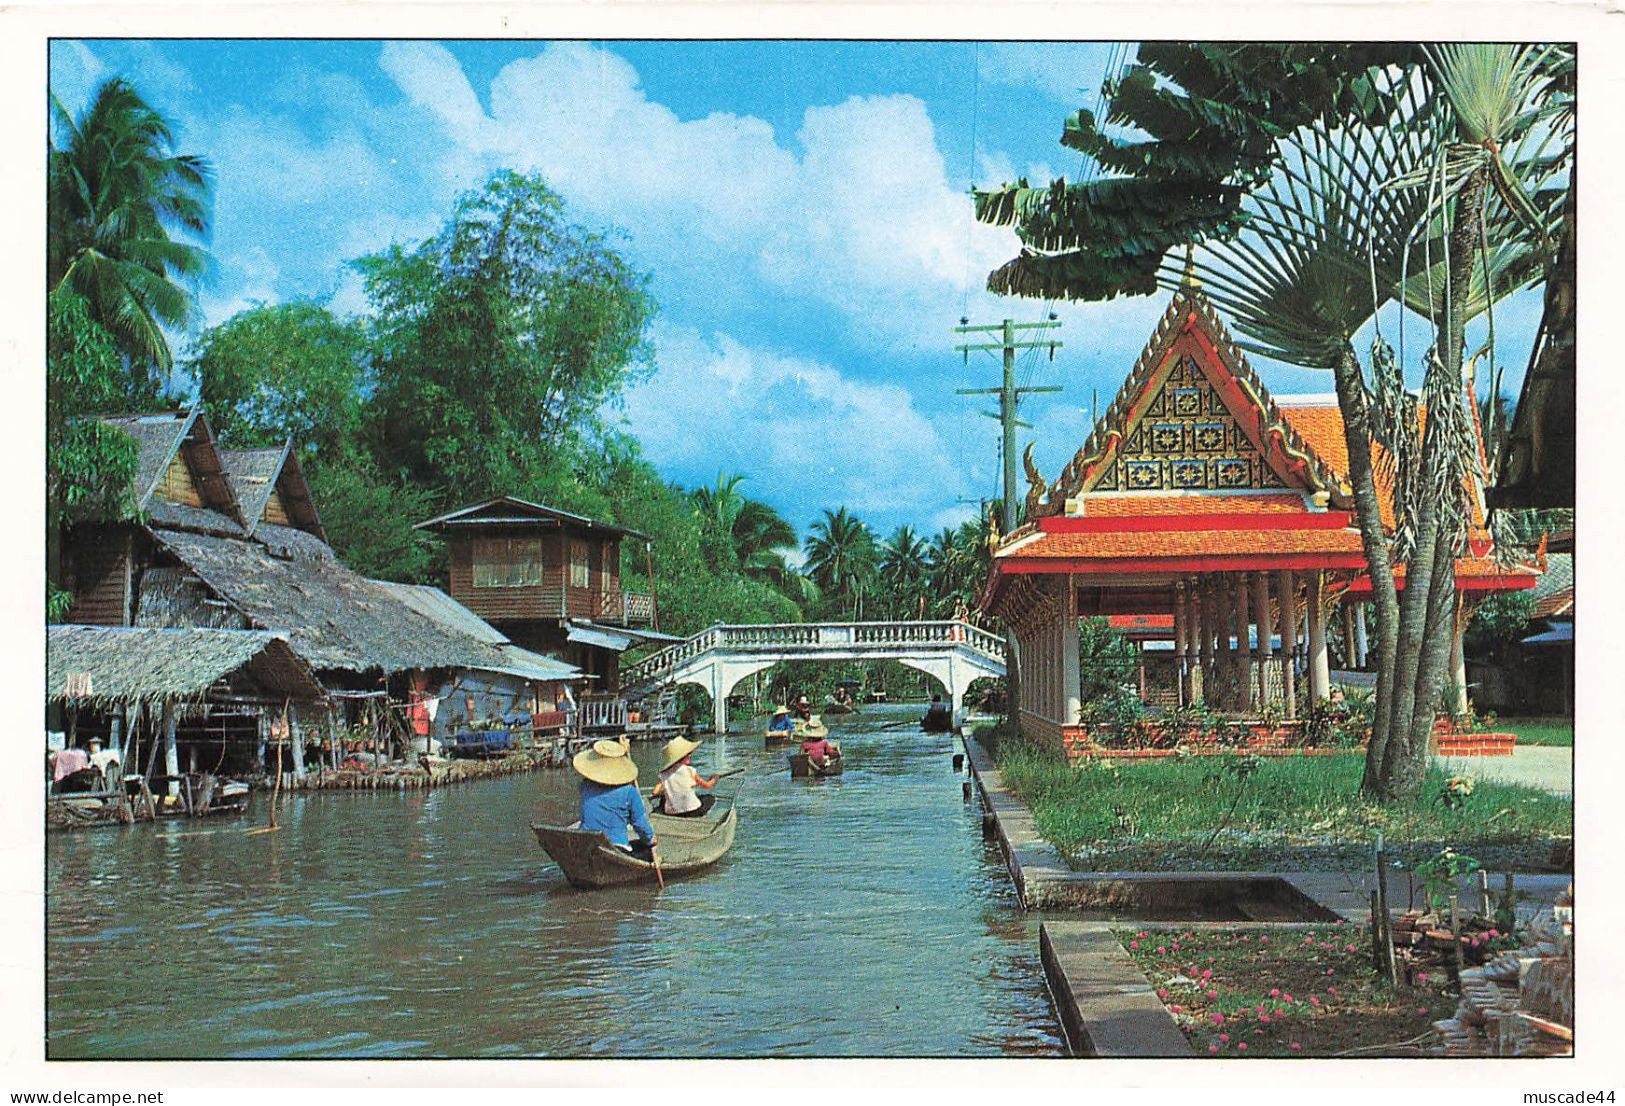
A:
x: 508, y: 563
x: 606, y: 573
x: 578, y: 564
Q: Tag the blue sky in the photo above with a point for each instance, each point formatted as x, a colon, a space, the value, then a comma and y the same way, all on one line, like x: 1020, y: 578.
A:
x: 801, y: 209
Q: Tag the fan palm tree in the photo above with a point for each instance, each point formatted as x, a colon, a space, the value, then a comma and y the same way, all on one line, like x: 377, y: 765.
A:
x: 841, y: 559
x: 117, y: 191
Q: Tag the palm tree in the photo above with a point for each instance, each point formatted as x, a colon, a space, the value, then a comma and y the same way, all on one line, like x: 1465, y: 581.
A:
x: 903, y: 570
x: 841, y: 559
x: 116, y: 191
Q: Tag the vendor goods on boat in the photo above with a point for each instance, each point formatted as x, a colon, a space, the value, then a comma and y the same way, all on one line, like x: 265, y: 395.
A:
x: 802, y: 766
x: 686, y: 845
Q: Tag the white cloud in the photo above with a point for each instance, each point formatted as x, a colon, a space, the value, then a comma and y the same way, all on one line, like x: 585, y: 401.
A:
x: 800, y: 430
x: 1070, y: 72
x: 860, y: 216
x: 75, y: 73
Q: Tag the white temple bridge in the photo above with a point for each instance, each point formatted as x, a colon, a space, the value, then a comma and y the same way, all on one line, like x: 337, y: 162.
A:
x: 954, y: 653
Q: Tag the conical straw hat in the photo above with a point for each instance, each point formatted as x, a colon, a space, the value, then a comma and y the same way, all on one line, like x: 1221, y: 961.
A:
x: 815, y: 727
x: 606, y: 762
x: 676, y: 749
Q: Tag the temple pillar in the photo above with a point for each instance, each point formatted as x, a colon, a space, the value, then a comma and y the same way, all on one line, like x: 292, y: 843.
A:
x: 1286, y: 598
x: 1209, y: 630
x: 1244, y: 646
x: 1071, y: 666
x: 1180, y: 654
x: 1361, y: 644
x: 1320, y: 674
x: 1347, y: 610
x: 1263, y: 650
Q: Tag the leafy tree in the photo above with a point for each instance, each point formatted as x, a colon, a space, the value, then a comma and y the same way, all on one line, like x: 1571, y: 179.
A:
x: 117, y: 191
x: 368, y: 518
x: 1427, y: 181
x: 841, y: 560
x: 1106, y: 659
x: 500, y: 339
x: 904, y: 569
x: 283, y: 371
x: 89, y: 466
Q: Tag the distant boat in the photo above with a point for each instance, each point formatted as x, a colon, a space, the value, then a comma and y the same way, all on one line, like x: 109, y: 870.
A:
x: 779, y: 738
x: 686, y: 845
x: 937, y: 721
x: 839, y: 708
x: 802, y: 767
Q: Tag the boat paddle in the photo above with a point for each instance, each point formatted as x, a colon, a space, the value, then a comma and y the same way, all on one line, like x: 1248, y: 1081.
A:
x: 660, y: 877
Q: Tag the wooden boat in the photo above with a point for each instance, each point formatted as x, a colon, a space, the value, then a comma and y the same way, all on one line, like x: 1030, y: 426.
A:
x: 801, y: 766
x: 686, y: 845
x: 833, y: 707
x: 777, y: 740
x: 937, y: 721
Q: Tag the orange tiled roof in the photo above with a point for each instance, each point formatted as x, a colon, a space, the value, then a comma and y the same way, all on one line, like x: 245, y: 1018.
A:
x: 1133, y: 505
x: 1557, y: 604
x: 1135, y: 544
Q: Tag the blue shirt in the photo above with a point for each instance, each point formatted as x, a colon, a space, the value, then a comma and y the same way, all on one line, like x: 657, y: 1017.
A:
x: 782, y: 724
x: 610, y: 809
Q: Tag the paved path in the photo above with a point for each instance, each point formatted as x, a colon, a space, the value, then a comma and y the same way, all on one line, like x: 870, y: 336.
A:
x: 1548, y: 767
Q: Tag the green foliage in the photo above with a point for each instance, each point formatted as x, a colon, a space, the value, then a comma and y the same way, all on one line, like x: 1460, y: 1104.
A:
x: 500, y: 339
x: 1440, y: 876
x: 283, y: 371
x: 90, y: 466
x: 1106, y: 659
x: 842, y: 559
x: 368, y: 519
x: 1501, y: 620
x: 116, y: 192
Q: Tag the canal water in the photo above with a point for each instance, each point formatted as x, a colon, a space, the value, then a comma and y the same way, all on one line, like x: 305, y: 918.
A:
x: 857, y: 916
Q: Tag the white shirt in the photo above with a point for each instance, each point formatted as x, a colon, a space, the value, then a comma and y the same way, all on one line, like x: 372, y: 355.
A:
x: 678, y: 785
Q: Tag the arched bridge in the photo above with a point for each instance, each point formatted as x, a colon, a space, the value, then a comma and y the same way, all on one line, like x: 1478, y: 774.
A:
x: 716, y: 659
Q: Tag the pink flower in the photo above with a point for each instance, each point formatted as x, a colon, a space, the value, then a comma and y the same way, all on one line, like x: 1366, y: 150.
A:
x: 1275, y: 992
x: 1213, y: 994
x: 1264, y: 1018
x: 1162, y: 992
x: 1161, y: 950
x: 1225, y: 1037
x: 1263, y: 940
x: 1421, y: 977
x: 1331, y: 971
x: 1259, y: 1009
x: 1495, y: 933
x: 1213, y: 1048
x: 1218, y: 1018
x: 1176, y: 946
x: 1350, y: 948
x: 1338, y: 922
x: 1212, y: 960
x: 1287, y: 997
x: 1331, y: 990
x: 1313, y: 1001
x: 1207, y: 973
x: 1134, y: 944
x: 1279, y: 1013
x: 1176, y: 1008
x: 1242, y: 1046
x: 1258, y: 1032
x: 1421, y: 1009
x: 1294, y: 1046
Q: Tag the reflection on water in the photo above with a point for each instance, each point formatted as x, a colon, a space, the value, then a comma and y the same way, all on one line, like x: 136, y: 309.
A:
x: 859, y: 915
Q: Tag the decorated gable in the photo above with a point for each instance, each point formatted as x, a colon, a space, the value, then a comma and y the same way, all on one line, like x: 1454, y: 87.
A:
x: 1187, y: 440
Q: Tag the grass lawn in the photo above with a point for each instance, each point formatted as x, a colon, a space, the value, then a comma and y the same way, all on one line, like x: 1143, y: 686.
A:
x: 1298, y: 991
x: 1538, y: 731
x: 1296, y: 813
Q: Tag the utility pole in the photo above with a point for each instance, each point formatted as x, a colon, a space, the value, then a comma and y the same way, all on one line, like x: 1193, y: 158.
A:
x: 1009, y: 398
x: 1009, y: 395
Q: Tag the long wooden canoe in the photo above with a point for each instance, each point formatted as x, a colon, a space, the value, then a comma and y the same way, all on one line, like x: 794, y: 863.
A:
x: 780, y: 738
x: 801, y: 766
x: 686, y: 845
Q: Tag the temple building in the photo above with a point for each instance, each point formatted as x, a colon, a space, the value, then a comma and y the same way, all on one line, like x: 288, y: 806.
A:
x: 1206, y: 516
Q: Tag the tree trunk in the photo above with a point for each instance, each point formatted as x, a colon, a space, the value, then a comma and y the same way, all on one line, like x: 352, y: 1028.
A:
x: 1430, y: 578
x: 1368, y: 512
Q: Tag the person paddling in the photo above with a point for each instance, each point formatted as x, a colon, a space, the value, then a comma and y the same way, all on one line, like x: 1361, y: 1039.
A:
x: 678, y: 779
x: 610, y: 801
x: 815, y: 743
x: 782, y: 723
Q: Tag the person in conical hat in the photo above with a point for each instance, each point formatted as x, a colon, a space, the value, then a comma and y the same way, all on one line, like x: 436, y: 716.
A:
x: 782, y: 723
x: 610, y: 801
x: 815, y: 743
x: 678, y: 779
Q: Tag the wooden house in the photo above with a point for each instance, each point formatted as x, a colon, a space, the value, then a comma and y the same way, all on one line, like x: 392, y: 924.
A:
x: 549, y: 579
x: 231, y: 540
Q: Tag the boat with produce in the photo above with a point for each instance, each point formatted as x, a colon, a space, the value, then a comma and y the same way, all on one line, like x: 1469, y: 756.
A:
x: 802, y: 766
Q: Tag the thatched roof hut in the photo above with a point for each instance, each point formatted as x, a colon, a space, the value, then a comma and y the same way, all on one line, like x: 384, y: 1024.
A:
x: 104, y: 667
